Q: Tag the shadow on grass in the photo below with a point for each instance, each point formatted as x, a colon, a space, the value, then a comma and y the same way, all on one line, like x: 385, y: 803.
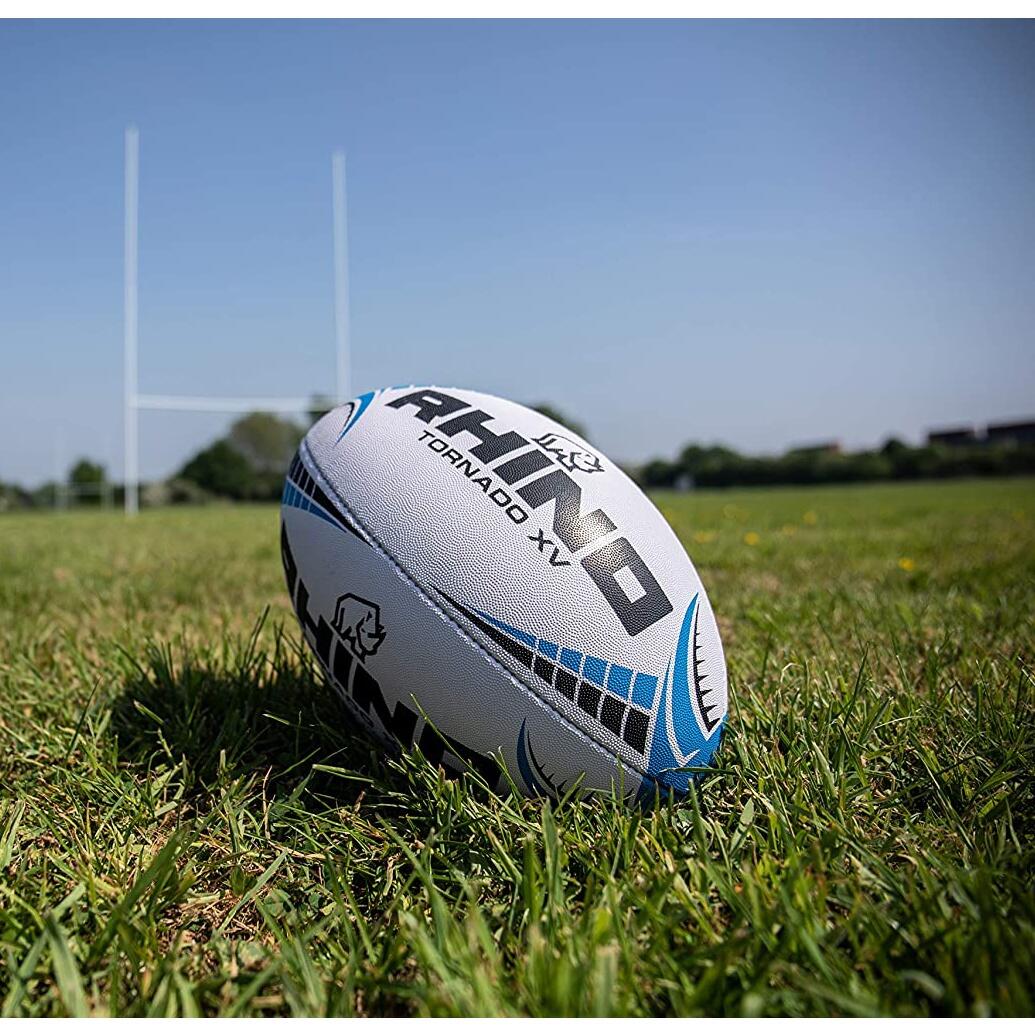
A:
x: 235, y: 710
x: 238, y: 710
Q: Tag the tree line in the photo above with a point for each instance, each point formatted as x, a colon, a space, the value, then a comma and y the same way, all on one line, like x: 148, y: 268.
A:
x: 247, y: 464
x: 249, y: 461
x: 720, y: 467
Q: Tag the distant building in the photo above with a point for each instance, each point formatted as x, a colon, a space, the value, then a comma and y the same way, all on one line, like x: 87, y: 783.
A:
x: 826, y: 448
x: 1015, y: 432
x: 952, y: 437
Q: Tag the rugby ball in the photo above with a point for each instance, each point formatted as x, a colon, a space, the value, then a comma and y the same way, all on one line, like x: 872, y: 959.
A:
x: 477, y: 580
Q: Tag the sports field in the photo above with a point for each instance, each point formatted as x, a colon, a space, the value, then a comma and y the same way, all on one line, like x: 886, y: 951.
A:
x: 187, y: 827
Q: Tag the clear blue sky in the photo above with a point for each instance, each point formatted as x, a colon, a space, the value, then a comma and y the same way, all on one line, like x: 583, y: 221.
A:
x: 754, y: 233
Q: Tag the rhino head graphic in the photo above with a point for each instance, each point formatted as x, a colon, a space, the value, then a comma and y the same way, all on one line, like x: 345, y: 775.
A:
x: 569, y: 454
x: 358, y: 623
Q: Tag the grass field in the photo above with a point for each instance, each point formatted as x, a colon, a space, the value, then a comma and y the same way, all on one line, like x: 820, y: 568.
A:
x: 187, y: 827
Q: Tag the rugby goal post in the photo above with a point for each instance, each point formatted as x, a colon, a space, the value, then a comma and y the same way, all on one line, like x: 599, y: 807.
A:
x: 134, y: 401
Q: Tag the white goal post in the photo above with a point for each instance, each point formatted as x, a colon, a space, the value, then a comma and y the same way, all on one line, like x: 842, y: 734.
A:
x: 134, y: 401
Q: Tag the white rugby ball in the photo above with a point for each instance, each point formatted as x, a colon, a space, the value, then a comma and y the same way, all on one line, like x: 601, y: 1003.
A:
x: 478, y: 580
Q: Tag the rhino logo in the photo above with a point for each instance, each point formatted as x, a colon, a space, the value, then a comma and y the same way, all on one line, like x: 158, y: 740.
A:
x: 569, y: 454
x: 358, y: 623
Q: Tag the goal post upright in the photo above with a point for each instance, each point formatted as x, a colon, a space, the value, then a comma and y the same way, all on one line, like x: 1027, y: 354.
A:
x: 341, y: 276
x: 131, y: 472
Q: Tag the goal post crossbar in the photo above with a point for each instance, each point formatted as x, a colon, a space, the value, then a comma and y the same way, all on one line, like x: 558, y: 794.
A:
x: 214, y: 404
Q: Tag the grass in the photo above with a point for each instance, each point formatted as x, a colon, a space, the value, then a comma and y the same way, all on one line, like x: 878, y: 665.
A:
x: 187, y: 827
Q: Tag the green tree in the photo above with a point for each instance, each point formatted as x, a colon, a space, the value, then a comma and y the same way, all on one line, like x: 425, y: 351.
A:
x: 554, y: 414
x: 13, y: 497
x: 224, y: 471
x: 659, y: 473
x: 249, y: 463
x: 47, y: 494
x: 266, y: 441
x: 86, y: 474
x: 894, y: 447
x: 712, y: 465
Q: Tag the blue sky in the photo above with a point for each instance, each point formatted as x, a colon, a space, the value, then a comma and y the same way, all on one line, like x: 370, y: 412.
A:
x: 754, y: 233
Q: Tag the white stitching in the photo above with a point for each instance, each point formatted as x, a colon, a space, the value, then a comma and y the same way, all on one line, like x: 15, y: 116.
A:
x: 413, y: 584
